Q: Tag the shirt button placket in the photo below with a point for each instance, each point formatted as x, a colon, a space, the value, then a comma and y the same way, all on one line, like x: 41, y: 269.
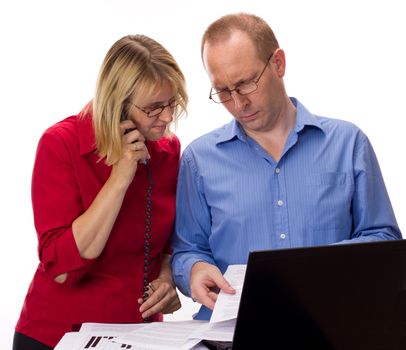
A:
x: 280, y: 203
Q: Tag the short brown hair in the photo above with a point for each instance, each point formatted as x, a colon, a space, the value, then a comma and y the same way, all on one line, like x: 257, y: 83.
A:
x: 257, y: 29
x: 134, y: 67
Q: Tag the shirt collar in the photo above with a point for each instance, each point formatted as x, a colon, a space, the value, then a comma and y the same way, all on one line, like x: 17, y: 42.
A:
x: 162, y: 145
x: 230, y: 131
x: 87, y: 141
x: 303, y: 118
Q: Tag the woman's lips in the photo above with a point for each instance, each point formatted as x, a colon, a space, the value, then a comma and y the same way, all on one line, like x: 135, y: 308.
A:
x: 159, y: 127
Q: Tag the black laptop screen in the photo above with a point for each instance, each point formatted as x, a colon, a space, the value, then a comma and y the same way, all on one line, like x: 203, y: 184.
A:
x: 350, y: 296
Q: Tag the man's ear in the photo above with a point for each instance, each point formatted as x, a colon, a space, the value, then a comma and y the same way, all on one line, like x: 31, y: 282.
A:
x: 279, y: 62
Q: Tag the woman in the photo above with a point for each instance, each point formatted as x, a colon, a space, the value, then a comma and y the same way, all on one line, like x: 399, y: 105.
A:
x: 103, y: 193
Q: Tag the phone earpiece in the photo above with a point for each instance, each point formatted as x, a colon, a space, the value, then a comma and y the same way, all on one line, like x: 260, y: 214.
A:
x: 123, y: 115
x: 128, y: 130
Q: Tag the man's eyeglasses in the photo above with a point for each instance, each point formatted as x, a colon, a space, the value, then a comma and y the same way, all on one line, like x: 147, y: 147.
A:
x: 246, y: 88
x: 154, y: 112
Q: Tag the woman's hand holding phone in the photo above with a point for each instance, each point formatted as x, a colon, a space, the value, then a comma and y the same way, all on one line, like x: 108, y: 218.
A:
x: 134, y: 150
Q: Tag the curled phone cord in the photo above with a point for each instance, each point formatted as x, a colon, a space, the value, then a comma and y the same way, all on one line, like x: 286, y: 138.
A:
x: 147, y: 235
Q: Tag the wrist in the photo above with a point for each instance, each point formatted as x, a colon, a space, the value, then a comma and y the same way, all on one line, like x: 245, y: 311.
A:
x: 167, y: 277
x: 200, y: 264
x: 117, y: 181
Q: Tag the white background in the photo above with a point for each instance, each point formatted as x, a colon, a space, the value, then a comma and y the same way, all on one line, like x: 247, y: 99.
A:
x: 345, y: 59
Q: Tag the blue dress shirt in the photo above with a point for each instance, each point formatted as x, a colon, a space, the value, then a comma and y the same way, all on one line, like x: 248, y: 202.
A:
x: 233, y: 197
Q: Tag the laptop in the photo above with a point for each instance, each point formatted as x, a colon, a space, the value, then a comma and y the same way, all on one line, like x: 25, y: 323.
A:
x: 342, y: 297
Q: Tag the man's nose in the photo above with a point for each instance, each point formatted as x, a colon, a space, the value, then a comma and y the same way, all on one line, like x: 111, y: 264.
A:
x: 240, y: 101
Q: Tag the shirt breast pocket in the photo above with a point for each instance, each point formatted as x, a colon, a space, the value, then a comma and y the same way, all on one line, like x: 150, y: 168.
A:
x: 329, y: 198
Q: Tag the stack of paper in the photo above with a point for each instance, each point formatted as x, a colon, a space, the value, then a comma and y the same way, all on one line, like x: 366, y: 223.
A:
x: 183, y: 335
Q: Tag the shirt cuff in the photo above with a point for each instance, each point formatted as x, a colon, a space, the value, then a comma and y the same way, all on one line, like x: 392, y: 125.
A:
x: 63, y: 257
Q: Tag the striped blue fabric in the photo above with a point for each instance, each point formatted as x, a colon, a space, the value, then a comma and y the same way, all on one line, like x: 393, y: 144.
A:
x: 233, y: 198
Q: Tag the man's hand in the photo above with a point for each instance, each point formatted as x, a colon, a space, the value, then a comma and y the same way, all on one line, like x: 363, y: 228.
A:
x: 206, y: 281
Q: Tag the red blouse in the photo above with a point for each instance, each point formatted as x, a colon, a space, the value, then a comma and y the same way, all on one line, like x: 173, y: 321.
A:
x: 66, y: 178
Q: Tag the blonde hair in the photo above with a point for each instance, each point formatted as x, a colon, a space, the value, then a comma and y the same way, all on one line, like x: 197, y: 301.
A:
x: 257, y: 29
x: 134, y: 67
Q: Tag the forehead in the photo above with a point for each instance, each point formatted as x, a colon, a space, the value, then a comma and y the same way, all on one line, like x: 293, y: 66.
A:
x: 231, y: 60
x: 155, y: 93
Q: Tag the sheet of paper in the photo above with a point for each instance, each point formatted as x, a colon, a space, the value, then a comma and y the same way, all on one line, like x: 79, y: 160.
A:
x: 148, y: 336
x: 110, y: 328
x: 200, y: 346
x: 226, y: 307
x: 163, y: 335
x: 98, y: 336
x: 87, y: 341
x: 220, y: 331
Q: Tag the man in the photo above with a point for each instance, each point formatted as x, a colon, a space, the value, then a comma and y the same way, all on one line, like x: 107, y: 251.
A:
x: 275, y: 177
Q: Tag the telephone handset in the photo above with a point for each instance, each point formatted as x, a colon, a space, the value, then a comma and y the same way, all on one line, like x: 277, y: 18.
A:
x: 124, y: 117
x: 148, y: 222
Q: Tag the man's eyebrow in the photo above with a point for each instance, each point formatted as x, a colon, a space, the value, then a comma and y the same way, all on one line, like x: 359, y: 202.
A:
x: 238, y: 83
